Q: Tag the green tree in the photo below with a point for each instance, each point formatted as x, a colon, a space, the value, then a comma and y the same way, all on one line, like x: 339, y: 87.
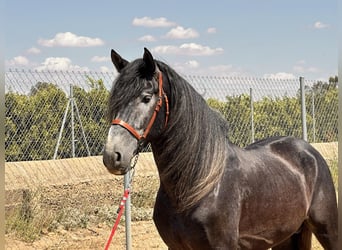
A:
x: 31, y: 123
x: 16, y: 117
x: 236, y: 110
x: 277, y: 117
x: 92, y: 112
x: 282, y: 116
x: 321, y: 105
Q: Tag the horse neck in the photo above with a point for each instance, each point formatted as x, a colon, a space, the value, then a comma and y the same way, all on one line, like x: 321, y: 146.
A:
x: 190, y: 154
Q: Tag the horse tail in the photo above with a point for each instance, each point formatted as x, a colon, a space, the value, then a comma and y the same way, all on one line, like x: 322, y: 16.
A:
x: 305, y: 238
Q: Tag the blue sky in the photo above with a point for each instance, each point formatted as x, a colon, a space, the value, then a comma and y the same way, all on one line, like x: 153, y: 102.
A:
x: 255, y: 38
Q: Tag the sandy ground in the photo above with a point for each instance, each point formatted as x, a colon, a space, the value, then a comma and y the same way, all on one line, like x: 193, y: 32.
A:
x: 144, y: 236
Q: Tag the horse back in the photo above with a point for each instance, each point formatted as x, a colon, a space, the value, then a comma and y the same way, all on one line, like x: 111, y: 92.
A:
x: 296, y: 156
x: 301, y: 156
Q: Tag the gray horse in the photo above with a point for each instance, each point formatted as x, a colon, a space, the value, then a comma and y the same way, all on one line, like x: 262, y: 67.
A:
x: 214, y: 195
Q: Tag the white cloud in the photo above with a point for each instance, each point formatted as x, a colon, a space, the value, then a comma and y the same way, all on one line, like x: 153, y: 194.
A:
x: 105, y: 69
x: 193, y: 64
x: 100, y: 59
x: 211, y: 30
x: 18, y: 61
x: 190, y: 49
x: 187, y: 68
x: 59, y: 64
x: 320, y: 25
x: 193, y: 67
x: 180, y: 33
x: 226, y: 70
x: 147, y: 38
x: 33, y: 50
x: 152, y: 22
x: 166, y: 49
x: 69, y: 39
x: 221, y: 68
x: 280, y: 75
x: 302, y: 68
x: 197, y: 49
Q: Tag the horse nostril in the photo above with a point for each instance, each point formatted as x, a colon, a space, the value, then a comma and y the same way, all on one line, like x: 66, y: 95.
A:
x: 118, y: 156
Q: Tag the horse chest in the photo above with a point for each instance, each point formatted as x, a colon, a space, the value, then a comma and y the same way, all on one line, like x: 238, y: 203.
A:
x: 179, y: 231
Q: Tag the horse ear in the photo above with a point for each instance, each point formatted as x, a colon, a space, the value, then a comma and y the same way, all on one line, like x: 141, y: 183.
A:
x: 150, y: 66
x: 118, y: 61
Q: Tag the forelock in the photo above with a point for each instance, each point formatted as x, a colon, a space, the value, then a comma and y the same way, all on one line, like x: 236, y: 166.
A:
x: 127, y: 86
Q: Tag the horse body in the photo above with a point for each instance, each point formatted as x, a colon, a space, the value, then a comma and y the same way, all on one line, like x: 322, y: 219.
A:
x: 256, y: 211
x: 213, y: 194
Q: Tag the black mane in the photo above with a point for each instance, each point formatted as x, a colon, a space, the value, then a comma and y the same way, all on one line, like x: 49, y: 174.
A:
x: 201, y: 159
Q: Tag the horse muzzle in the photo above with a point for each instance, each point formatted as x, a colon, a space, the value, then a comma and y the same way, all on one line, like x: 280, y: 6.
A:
x: 114, y: 163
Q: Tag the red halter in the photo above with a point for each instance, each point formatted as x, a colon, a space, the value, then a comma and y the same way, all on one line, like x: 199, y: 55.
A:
x: 154, y: 115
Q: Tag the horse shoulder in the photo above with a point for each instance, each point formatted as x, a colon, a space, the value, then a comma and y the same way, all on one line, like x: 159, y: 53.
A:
x: 219, y: 212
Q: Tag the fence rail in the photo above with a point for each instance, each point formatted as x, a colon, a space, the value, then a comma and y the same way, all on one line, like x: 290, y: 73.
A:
x: 60, y: 114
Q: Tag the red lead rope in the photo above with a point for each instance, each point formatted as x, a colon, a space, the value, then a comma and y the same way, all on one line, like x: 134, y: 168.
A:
x: 120, y: 211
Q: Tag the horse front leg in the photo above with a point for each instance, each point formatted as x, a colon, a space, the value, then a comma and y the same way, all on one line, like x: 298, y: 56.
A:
x: 219, y: 215
x: 223, y: 238
x: 222, y: 230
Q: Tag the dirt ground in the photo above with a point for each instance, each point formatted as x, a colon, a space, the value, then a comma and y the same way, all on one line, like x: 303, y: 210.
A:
x: 144, y: 236
x: 82, y: 187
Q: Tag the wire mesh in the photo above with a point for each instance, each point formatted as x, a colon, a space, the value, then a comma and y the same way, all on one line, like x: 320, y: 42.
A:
x: 69, y: 194
x: 38, y: 112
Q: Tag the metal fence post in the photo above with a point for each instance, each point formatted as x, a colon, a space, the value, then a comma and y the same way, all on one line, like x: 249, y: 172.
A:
x: 252, y: 114
x: 313, y: 117
x: 128, y: 213
x: 302, y: 94
x: 72, y: 121
x: 61, y: 130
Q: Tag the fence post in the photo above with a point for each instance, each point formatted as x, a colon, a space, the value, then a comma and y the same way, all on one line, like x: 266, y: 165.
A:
x: 72, y: 121
x: 128, y: 213
x: 313, y: 116
x: 252, y: 113
x: 61, y: 131
x: 302, y: 94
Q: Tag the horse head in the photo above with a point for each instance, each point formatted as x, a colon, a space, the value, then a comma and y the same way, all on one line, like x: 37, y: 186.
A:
x: 136, y: 98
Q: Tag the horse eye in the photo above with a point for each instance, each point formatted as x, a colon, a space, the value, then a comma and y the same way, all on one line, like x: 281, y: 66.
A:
x: 146, y: 99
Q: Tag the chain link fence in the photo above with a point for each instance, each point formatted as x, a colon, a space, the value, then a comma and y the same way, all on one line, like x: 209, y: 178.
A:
x: 51, y: 115
x: 61, y: 115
